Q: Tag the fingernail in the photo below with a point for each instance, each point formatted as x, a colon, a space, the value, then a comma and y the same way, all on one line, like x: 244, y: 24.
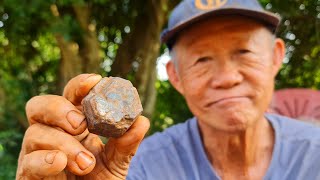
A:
x: 50, y: 157
x: 75, y: 118
x: 84, y: 160
x: 93, y: 77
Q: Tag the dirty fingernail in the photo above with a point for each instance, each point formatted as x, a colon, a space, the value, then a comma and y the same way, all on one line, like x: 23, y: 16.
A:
x: 75, y: 118
x: 50, y: 157
x: 93, y: 77
x: 84, y: 160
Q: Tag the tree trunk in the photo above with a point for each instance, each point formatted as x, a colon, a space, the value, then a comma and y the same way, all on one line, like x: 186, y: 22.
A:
x: 79, y: 57
x: 142, y: 46
x: 70, y: 62
x: 90, y: 48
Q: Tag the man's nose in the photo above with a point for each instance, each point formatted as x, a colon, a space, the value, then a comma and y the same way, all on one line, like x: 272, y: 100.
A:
x: 227, y: 75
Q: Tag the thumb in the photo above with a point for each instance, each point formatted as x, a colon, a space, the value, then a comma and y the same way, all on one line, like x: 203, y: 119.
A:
x: 42, y: 163
x: 119, y: 151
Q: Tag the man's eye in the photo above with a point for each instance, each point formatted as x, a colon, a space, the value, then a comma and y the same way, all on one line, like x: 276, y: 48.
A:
x: 203, y: 59
x: 243, y: 51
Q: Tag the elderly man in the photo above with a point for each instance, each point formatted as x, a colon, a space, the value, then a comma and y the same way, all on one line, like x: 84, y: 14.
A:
x: 225, y: 57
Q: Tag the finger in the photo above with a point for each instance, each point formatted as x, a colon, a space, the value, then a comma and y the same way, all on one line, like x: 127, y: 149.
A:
x: 78, y: 87
x: 93, y: 143
x: 43, y: 163
x: 42, y: 137
x: 129, y: 142
x: 119, y: 151
x: 56, y: 111
x: 82, y: 136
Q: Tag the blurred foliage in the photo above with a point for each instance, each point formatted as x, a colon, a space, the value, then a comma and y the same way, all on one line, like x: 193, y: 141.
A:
x: 301, y: 31
x: 30, y: 57
x: 171, y: 107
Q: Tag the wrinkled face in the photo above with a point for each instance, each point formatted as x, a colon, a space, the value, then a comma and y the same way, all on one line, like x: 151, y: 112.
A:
x: 225, y: 69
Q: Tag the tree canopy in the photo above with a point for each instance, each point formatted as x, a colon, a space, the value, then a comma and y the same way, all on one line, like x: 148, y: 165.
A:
x: 45, y: 43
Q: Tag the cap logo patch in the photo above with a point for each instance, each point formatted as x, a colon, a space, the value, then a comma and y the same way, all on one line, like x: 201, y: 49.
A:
x: 210, y: 4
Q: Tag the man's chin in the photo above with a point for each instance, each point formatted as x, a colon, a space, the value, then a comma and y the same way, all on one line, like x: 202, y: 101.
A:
x: 235, y: 129
x: 233, y: 125
x: 235, y: 118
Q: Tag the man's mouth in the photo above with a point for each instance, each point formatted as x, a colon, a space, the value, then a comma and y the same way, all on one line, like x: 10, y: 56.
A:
x: 231, y: 99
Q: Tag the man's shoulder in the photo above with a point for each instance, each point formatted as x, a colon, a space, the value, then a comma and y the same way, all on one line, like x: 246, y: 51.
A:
x: 296, y: 151
x: 293, y: 129
x: 174, y: 153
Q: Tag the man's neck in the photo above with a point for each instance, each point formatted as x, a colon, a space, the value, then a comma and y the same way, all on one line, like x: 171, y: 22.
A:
x: 244, y: 154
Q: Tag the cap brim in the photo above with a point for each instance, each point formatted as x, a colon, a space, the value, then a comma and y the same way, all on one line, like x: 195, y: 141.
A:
x: 264, y: 16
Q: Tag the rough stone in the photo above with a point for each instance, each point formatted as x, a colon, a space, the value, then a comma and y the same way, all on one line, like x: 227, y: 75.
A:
x: 111, y: 107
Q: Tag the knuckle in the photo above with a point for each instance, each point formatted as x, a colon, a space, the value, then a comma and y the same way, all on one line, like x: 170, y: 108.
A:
x: 30, y: 167
x: 44, y: 107
x: 30, y: 137
x: 25, y: 170
x: 31, y: 131
x: 31, y: 100
x: 55, y: 105
x: 30, y: 103
x: 66, y: 90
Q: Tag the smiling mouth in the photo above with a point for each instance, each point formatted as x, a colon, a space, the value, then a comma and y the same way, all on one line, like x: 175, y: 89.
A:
x: 227, y: 100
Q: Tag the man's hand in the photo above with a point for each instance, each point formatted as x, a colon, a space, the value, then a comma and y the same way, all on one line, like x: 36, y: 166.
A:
x: 57, y: 145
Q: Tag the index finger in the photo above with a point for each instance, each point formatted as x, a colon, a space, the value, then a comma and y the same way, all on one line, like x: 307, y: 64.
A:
x: 78, y: 87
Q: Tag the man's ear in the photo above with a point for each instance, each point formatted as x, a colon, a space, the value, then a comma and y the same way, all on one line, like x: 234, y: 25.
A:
x: 279, y: 51
x: 174, y: 77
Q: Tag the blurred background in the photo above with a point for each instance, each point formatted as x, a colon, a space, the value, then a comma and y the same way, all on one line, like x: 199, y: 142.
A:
x: 45, y: 43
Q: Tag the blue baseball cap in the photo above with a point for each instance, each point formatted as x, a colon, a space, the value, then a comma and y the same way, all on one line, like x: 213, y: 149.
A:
x: 190, y: 11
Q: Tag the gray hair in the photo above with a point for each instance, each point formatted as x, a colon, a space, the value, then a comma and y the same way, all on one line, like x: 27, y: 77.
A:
x: 173, y: 57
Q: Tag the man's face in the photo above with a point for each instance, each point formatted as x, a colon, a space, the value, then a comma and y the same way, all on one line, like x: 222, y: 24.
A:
x: 225, y: 69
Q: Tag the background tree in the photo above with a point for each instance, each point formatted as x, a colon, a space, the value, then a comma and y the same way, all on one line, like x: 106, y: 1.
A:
x: 301, y: 31
x: 45, y: 43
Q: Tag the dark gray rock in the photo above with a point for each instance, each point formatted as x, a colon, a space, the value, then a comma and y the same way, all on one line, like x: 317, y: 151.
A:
x: 111, y: 107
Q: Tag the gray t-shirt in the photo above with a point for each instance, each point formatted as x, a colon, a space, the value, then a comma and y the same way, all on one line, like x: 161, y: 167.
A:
x: 178, y: 153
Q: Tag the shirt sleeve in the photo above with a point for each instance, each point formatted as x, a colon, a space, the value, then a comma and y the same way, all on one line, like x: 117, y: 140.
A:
x: 136, y: 169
